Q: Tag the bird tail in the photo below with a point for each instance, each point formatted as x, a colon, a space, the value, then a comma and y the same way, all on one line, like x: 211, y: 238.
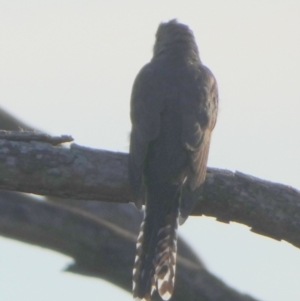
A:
x: 156, y: 248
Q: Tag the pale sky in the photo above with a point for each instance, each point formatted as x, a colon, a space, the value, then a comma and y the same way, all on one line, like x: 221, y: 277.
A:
x: 67, y: 67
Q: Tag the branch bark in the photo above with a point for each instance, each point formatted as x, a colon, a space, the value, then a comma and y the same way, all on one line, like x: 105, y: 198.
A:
x: 76, y: 172
x: 82, y: 173
x: 29, y: 136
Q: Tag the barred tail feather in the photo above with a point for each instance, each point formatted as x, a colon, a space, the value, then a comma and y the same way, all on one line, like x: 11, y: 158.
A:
x: 156, y: 248
x: 155, y: 261
x: 143, y: 285
x: 165, y: 260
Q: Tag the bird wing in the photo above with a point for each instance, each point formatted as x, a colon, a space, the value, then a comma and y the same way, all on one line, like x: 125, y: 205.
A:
x: 199, y: 120
x: 146, y: 106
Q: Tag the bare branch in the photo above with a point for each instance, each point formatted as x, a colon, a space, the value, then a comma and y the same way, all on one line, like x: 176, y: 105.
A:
x: 82, y: 173
x: 270, y: 209
x: 29, y: 136
x: 75, y: 172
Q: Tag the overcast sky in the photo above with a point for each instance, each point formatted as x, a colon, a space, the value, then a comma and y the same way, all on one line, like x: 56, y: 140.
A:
x: 67, y: 67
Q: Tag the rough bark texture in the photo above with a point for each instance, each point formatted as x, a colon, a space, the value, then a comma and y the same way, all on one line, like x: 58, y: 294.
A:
x: 34, y: 136
x: 270, y: 209
x: 82, y: 173
x: 76, y: 172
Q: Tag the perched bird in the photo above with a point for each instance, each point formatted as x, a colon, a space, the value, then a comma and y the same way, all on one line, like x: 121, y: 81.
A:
x: 174, y: 106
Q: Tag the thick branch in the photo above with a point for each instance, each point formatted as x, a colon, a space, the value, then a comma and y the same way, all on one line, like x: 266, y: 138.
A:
x: 75, y: 172
x: 82, y: 173
x: 270, y: 209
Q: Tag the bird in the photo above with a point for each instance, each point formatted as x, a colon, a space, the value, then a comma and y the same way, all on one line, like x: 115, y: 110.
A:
x: 173, y: 110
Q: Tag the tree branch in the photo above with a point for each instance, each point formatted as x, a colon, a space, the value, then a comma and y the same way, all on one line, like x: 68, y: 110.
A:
x: 270, y: 209
x: 82, y: 173
x: 29, y: 136
x: 76, y: 172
